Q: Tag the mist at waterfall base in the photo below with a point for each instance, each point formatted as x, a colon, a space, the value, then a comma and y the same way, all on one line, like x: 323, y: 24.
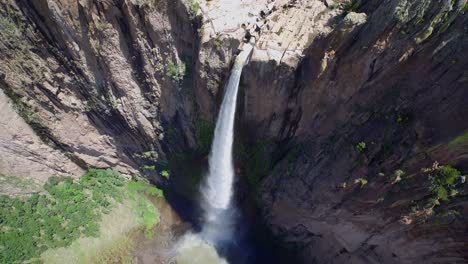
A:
x: 220, y: 217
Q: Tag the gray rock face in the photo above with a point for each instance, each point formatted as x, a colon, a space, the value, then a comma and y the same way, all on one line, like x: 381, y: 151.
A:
x: 383, y: 79
x: 23, y: 152
x: 96, y: 75
x: 102, y: 82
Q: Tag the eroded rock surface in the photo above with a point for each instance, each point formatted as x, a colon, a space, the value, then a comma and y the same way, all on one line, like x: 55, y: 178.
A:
x: 390, y: 75
x: 338, y: 95
x: 23, y: 152
x: 96, y: 76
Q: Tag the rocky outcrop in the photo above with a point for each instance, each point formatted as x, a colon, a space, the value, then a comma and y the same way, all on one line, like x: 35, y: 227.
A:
x: 343, y: 98
x: 387, y: 75
x: 101, y: 78
x: 24, y: 153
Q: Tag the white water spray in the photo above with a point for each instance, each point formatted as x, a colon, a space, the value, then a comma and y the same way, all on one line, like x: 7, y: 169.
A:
x: 217, y: 190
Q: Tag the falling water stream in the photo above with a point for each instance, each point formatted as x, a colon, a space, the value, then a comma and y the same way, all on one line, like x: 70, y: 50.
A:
x: 217, y: 191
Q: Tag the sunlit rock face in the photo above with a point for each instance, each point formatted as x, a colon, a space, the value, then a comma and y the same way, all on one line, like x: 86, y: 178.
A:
x: 323, y: 79
x: 91, y: 78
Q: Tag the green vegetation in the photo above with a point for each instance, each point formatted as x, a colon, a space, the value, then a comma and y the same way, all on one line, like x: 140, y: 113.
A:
x: 165, y: 174
x: 201, y: 30
x: 115, y: 244
x: 360, y: 147
x: 193, y: 7
x: 398, y: 175
x: 462, y: 139
x: 67, y: 210
x: 149, y: 167
x: 427, y: 33
x: 443, y: 183
x: 150, y: 154
x: 176, y: 71
x: 448, y: 217
x: 146, y: 210
x: 402, y: 12
x: 14, y: 33
x: 218, y: 43
x: 335, y: 6
x: 446, y: 183
x: 465, y: 8
x: 362, y: 181
x: 9, y: 29
x: 350, y: 6
x: 402, y: 119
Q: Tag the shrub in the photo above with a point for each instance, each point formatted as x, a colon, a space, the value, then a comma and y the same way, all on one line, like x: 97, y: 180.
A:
x: 176, y: 71
x: 193, y: 7
x: 360, y: 147
x: 165, y: 174
x: 149, y: 167
x: 444, y: 180
x: 150, y: 154
x: 147, y: 211
x: 398, y: 175
x: 350, y: 6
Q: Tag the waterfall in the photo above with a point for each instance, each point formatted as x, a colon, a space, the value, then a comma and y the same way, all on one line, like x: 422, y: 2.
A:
x: 218, y: 188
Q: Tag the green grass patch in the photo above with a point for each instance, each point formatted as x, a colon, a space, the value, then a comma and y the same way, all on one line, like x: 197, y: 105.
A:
x: 115, y: 244
x: 138, y: 187
x: 463, y: 139
x: 149, y: 213
x: 66, y: 210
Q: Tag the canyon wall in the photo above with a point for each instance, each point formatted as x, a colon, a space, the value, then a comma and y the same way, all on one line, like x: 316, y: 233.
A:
x: 351, y: 103
x: 99, y: 81
x: 379, y: 91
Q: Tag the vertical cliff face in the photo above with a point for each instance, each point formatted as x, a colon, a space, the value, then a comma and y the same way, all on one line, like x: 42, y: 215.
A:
x: 100, y: 80
x: 379, y: 94
x: 346, y: 105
